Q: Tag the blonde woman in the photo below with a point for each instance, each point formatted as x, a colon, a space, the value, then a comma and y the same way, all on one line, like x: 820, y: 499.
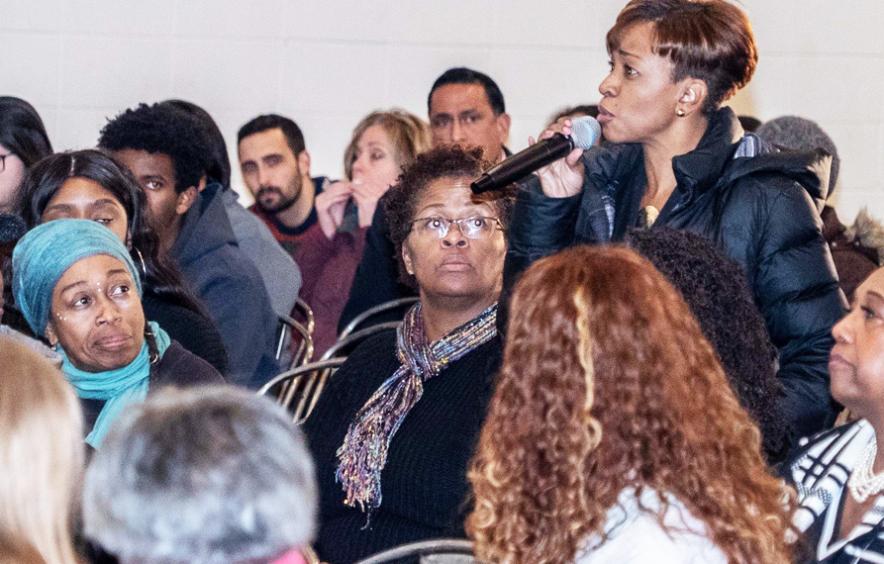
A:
x: 41, y: 453
x: 381, y: 145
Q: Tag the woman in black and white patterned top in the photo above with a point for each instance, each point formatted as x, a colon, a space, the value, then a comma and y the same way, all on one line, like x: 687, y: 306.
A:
x: 839, y: 474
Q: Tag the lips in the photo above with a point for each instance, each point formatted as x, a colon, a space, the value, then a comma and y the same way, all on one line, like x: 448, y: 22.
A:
x: 838, y: 362
x: 604, y: 115
x: 113, y: 341
x: 455, y: 263
x: 269, y: 191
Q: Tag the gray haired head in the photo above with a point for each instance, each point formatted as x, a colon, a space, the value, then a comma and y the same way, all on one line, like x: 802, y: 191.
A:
x: 207, y: 475
x: 800, y: 134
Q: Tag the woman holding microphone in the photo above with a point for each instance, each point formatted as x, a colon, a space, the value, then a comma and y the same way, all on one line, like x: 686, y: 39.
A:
x: 677, y: 158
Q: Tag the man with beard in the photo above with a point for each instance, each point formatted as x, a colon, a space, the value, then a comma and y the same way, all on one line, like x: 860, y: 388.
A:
x: 276, y: 168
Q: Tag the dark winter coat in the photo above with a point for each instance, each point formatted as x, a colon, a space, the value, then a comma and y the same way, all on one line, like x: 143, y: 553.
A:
x: 231, y: 288
x: 761, y: 209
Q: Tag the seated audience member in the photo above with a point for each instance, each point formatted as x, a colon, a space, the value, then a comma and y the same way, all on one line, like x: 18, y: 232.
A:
x: 165, y: 150
x: 10, y: 333
x: 214, y: 475
x: 275, y: 166
x: 465, y: 107
x: 381, y: 145
x: 716, y: 290
x: 839, y: 474
x: 77, y: 286
x: 613, y: 435
x: 12, y: 227
x: 91, y: 185
x: 857, y: 250
x: 396, y: 426
x: 281, y: 275
x: 41, y: 453
x: 23, y: 142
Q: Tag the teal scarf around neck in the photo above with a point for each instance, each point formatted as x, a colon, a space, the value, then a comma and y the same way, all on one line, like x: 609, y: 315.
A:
x: 118, y: 388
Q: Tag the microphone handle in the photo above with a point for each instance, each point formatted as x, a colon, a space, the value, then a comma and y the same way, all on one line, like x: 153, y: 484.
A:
x: 523, y: 163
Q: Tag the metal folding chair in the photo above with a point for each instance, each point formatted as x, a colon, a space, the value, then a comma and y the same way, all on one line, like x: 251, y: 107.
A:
x: 440, y: 551
x: 302, y: 352
x: 346, y: 344
x: 303, y: 310
x: 299, y: 389
x: 401, y: 303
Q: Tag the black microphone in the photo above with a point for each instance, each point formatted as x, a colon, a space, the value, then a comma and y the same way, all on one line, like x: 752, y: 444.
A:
x: 584, y: 133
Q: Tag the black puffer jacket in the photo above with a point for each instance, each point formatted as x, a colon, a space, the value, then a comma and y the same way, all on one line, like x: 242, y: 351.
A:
x: 762, y: 210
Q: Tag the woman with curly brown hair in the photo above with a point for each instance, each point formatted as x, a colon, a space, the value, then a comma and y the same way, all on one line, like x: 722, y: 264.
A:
x: 613, y: 435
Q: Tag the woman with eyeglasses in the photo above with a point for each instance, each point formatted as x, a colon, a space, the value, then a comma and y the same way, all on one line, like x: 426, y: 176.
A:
x: 393, y: 432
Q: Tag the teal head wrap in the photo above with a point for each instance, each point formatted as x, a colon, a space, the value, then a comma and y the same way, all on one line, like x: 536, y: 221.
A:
x: 45, y: 253
x: 39, y: 260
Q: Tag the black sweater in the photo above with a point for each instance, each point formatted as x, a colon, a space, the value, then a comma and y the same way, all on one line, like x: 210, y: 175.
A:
x: 423, y: 485
x: 195, y: 332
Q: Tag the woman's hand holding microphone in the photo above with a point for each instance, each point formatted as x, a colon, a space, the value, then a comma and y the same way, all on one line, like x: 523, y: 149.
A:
x: 562, y: 178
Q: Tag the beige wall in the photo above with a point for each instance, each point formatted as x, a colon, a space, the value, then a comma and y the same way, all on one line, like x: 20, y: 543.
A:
x: 326, y: 63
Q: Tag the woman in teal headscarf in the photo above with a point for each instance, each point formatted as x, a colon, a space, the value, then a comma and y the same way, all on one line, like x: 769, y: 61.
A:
x: 77, y: 286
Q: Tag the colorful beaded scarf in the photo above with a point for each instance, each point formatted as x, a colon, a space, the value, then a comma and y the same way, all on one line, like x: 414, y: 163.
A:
x: 363, y: 454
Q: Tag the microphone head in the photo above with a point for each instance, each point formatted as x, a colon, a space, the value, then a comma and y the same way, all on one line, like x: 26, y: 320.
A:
x: 585, y: 131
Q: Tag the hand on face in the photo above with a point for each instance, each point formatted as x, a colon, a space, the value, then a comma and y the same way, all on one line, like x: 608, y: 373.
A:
x: 562, y: 178
x: 375, y: 167
x: 330, y: 206
x: 96, y: 314
x: 366, y: 195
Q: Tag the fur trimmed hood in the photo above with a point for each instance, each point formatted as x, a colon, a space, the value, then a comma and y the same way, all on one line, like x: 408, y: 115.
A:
x: 869, y: 232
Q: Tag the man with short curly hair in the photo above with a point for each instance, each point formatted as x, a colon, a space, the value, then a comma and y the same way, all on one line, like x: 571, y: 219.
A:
x: 167, y: 153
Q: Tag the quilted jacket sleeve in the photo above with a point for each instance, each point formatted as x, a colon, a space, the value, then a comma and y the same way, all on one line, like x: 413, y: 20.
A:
x: 540, y: 226
x: 797, y: 290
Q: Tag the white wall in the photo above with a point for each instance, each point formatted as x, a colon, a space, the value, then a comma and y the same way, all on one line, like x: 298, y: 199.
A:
x: 326, y: 63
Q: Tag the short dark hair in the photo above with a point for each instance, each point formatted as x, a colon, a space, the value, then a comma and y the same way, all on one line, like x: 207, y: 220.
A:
x: 710, y: 40
x: 717, y: 291
x: 401, y: 200
x: 463, y: 75
x: 218, y: 167
x: 161, y: 128
x: 289, y: 128
x: 22, y: 131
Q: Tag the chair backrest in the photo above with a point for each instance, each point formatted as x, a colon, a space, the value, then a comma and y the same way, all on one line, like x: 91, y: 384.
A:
x: 294, y: 347
x: 346, y: 344
x: 446, y: 551
x: 304, y: 311
x: 387, y: 307
x: 299, y: 389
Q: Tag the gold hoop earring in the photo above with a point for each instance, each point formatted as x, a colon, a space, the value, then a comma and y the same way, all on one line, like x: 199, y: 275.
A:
x: 141, y: 260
